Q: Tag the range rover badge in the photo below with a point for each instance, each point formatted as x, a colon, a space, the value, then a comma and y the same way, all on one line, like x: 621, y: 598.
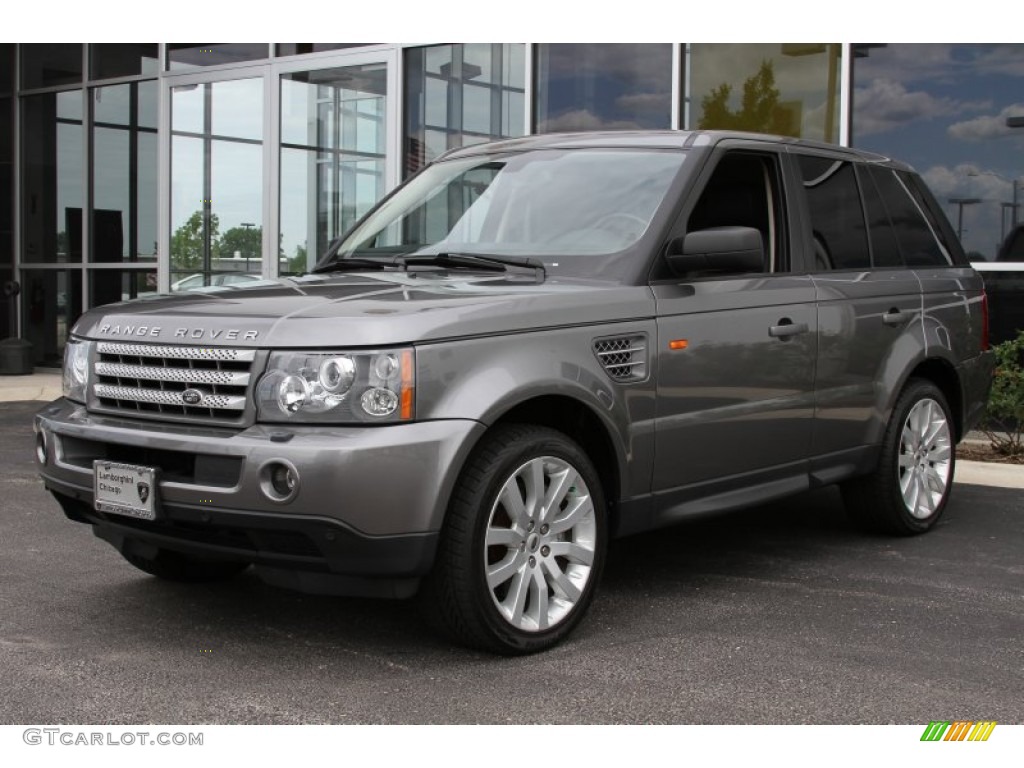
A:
x: 192, y: 396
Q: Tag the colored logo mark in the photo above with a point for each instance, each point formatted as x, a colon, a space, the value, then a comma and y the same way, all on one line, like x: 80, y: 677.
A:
x: 958, y: 730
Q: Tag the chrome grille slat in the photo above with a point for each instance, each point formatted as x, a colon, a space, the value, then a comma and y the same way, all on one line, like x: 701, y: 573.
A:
x: 181, y: 375
x: 148, y: 380
x: 163, y: 397
x: 624, y: 358
x: 176, y: 353
x: 620, y: 351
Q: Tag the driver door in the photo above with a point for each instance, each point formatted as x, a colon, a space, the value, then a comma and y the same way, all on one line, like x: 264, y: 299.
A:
x: 735, y: 353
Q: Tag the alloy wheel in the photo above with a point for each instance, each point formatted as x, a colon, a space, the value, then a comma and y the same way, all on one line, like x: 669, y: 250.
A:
x: 924, y: 462
x: 540, y: 543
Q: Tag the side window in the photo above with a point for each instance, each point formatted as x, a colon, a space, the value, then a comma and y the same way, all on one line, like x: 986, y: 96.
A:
x: 744, y: 191
x: 885, y: 251
x: 837, y: 219
x: 917, y: 243
x: 937, y: 220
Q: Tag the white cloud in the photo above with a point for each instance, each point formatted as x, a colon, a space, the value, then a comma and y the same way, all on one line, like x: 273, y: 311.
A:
x: 983, y: 223
x: 965, y: 180
x: 645, y: 103
x: 886, y: 104
x: 987, y: 126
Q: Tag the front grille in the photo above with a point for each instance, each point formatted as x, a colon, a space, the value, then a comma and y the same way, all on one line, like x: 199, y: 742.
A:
x: 623, y: 357
x: 156, y: 380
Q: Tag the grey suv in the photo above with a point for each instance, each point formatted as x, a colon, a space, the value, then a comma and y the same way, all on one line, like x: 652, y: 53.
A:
x: 528, y: 348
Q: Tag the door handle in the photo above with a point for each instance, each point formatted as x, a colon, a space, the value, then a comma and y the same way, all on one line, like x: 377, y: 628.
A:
x: 786, y: 328
x: 895, y: 317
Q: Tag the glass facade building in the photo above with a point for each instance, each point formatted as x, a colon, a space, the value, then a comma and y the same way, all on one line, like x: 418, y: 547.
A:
x: 128, y: 169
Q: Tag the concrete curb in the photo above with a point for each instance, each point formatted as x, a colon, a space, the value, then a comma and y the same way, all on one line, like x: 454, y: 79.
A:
x: 989, y: 473
x: 37, y: 386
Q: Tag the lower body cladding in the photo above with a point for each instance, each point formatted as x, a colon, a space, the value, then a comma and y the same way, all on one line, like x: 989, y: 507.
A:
x: 333, y: 510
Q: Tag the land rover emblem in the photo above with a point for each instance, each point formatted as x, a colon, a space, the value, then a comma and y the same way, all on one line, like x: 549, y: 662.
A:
x: 143, y: 489
x: 192, y: 396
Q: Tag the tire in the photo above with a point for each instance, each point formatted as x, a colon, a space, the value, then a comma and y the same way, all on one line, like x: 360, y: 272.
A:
x: 510, y: 576
x: 908, y: 490
x: 175, y: 566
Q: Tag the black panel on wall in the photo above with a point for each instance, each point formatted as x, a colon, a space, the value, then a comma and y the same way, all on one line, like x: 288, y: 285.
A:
x: 7, y: 53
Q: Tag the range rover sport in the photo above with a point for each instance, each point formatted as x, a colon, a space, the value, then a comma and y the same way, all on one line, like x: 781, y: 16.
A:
x: 528, y: 348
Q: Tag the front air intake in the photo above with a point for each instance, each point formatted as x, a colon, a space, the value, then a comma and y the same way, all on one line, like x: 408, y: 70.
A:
x: 623, y: 357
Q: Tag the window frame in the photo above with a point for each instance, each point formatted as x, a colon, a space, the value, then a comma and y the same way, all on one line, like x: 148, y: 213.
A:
x: 786, y: 228
x: 809, y: 262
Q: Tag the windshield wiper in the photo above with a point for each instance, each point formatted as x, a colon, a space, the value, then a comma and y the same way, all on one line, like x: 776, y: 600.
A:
x: 330, y: 262
x: 355, y: 263
x: 478, y: 261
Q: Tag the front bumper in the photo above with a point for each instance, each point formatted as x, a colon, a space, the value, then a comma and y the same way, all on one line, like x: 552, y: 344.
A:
x: 369, y: 504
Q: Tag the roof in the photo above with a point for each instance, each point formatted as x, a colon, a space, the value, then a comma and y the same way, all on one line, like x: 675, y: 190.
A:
x: 652, y: 140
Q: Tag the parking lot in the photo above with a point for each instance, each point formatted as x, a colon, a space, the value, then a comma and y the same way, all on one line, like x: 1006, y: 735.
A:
x: 780, y: 614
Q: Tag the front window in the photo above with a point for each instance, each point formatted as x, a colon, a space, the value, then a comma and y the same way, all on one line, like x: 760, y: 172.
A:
x: 576, y: 210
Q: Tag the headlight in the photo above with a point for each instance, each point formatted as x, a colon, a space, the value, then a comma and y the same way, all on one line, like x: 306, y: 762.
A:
x: 76, y: 369
x: 338, y: 387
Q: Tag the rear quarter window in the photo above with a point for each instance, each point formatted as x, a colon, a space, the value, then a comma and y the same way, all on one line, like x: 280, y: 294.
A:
x: 885, y: 251
x: 933, y: 212
x: 918, y: 245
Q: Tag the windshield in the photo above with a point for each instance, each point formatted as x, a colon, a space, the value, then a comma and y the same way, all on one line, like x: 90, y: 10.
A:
x: 572, y: 209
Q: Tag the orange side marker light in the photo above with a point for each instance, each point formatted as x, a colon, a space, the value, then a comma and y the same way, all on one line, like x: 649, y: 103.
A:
x: 678, y: 344
x: 408, y: 386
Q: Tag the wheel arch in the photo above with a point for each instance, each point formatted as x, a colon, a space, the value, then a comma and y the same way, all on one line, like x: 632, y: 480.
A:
x: 942, y: 373
x: 584, y: 426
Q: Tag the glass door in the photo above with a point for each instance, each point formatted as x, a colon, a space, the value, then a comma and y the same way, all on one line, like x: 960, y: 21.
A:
x: 217, y: 180
x: 338, y: 150
x: 264, y: 165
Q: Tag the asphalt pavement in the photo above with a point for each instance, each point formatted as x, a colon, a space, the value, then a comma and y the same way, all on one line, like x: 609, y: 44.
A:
x: 780, y: 614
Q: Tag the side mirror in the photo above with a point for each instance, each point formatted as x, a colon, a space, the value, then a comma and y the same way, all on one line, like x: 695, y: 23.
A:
x: 718, y: 249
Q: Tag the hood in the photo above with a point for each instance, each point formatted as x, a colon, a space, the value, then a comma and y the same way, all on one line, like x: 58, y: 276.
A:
x: 365, y: 310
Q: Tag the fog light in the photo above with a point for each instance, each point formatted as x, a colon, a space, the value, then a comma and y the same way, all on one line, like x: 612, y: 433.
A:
x: 283, y: 479
x: 41, y: 447
x: 279, y: 480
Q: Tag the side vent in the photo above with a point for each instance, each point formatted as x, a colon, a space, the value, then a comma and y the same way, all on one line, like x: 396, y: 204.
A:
x: 623, y: 357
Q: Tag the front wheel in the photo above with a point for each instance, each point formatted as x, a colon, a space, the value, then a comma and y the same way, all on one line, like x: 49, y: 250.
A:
x: 523, y: 545
x: 907, y: 492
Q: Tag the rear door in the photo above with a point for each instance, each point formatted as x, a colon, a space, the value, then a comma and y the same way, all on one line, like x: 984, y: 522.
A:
x: 867, y: 298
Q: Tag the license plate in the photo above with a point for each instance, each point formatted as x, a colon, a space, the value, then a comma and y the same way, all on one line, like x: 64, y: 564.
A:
x: 124, y: 489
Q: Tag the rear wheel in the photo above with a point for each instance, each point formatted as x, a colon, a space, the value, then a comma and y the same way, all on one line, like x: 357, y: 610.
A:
x: 176, y: 566
x: 523, y: 545
x: 907, y: 492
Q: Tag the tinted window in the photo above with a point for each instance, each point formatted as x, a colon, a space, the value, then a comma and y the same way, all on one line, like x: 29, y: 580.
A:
x: 936, y: 218
x: 744, y: 192
x: 837, y: 220
x: 782, y: 88
x: 885, y: 251
x: 603, y: 86
x: 124, y: 59
x: 190, y: 55
x: 46, y: 64
x: 918, y: 246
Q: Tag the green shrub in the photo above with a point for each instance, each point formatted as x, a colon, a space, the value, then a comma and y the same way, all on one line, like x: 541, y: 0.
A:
x: 1004, y: 422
